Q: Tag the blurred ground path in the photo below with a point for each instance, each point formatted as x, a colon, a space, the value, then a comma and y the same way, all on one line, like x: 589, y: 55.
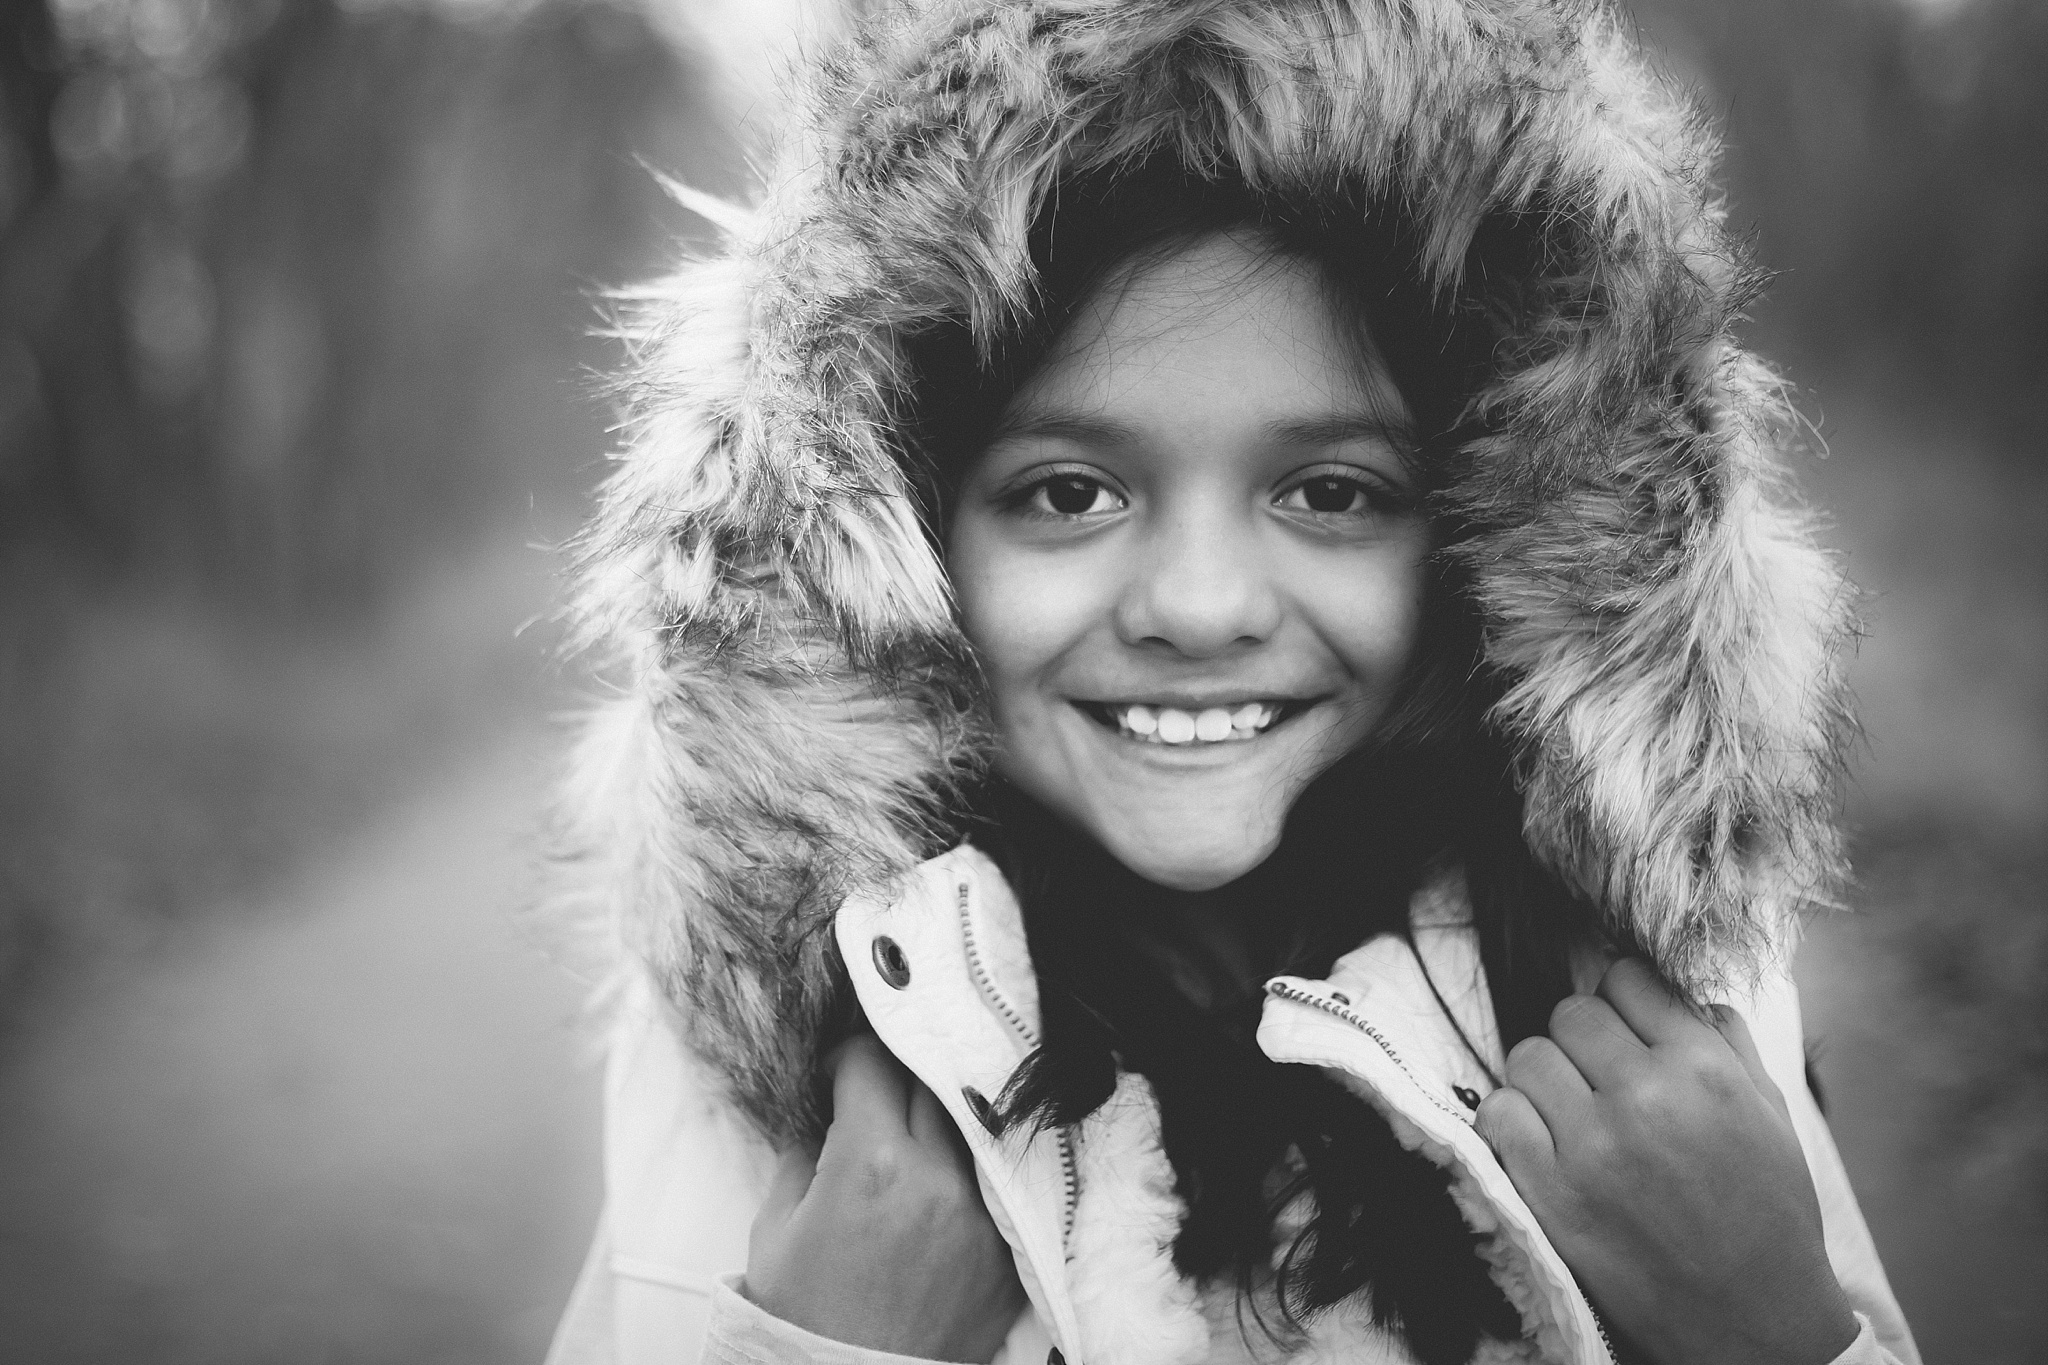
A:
x: 353, y: 1123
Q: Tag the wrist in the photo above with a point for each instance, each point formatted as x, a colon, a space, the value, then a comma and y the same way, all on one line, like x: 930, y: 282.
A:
x: 1808, y: 1323
x: 1795, y: 1320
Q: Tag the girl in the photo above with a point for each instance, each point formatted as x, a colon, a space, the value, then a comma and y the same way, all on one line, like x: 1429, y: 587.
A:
x: 1214, y: 711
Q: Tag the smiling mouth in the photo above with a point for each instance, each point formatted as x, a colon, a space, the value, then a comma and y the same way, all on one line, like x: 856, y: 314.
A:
x: 1172, y: 725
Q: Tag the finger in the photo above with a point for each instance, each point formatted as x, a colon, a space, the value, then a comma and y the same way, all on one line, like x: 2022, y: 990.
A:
x: 1647, y: 1005
x: 1735, y: 1030
x: 930, y: 1124
x: 793, y: 1175
x: 870, y: 1088
x: 1511, y: 1125
x: 1597, y: 1039
x: 1543, y: 1073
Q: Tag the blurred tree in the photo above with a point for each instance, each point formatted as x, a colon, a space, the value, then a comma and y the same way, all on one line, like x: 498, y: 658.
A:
x: 1889, y: 154
x: 294, y: 304
x: 266, y: 267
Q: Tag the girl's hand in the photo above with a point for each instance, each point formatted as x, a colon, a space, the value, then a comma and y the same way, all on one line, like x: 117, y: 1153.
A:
x: 1662, y: 1162
x: 880, y: 1239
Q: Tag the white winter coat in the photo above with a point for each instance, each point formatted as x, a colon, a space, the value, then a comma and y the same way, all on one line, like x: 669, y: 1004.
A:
x: 1090, y: 1216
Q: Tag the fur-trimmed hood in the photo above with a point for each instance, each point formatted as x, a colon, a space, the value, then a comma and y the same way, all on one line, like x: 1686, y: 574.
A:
x: 794, y: 702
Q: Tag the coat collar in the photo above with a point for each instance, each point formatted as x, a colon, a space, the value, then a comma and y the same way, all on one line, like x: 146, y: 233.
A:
x: 943, y: 972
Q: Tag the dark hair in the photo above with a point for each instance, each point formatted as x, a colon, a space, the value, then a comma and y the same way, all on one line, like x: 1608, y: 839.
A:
x: 1248, y: 1137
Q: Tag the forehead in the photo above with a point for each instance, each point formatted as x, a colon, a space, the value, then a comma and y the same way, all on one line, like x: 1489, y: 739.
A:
x: 1224, y: 328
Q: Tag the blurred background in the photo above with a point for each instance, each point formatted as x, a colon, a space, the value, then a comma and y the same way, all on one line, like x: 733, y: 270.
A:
x: 297, y: 301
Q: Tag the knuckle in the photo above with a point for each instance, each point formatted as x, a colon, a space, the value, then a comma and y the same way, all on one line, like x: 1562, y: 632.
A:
x: 1507, y: 1118
x: 1634, y: 979
x: 1499, y: 1125
x: 1706, y: 1065
x: 1574, y: 1011
x: 1722, y: 1082
x: 1647, y: 1090
x: 881, y: 1167
x: 1535, y: 1062
x: 1630, y: 970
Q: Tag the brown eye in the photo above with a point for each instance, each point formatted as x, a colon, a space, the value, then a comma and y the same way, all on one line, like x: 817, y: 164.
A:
x: 1359, y: 499
x: 1072, y: 495
x: 1330, y: 495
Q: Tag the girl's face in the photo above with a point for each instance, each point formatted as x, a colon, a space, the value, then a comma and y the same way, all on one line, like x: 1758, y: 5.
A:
x: 1191, y: 560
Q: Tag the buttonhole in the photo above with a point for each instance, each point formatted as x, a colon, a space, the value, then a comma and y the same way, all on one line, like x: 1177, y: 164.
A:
x: 984, y: 1112
x: 1340, y: 997
x: 890, y: 962
x: 1466, y: 1096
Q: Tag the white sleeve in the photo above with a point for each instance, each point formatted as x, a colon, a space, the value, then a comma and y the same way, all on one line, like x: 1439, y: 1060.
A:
x: 584, y: 1335
x: 1774, y: 1022
x: 684, y: 1176
x: 1866, y: 1350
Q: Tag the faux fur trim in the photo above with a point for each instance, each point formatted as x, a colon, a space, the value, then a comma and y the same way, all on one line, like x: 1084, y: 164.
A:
x: 1130, y: 1303
x: 794, y: 699
x: 1506, y: 1262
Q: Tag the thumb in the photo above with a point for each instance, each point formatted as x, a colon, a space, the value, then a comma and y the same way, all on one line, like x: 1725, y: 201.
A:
x: 793, y: 1175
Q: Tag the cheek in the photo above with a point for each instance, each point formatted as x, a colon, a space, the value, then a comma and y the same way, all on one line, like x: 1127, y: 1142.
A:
x: 1371, y: 615
x: 1019, y: 610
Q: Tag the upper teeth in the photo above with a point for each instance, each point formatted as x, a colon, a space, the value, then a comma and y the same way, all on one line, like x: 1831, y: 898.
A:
x: 1169, y: 725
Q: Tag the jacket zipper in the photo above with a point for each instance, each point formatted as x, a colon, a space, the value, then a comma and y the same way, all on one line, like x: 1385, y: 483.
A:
x: 1070, y: 1166
x: 1600, y: 1326
x: 1287, y: 991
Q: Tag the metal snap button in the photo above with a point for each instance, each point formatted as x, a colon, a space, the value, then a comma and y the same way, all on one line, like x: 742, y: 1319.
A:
x: 890, y: 962
x: 984, y: 1112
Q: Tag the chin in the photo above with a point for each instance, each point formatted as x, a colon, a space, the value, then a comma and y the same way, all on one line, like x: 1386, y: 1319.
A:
x: 1181, y: 861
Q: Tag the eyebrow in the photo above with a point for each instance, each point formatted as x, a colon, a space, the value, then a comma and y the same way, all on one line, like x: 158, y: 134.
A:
x: 1335, y: 430
x: 1093, y: 431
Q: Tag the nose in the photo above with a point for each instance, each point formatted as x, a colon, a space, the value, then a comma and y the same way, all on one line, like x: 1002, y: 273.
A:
x: 1200, y: 587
